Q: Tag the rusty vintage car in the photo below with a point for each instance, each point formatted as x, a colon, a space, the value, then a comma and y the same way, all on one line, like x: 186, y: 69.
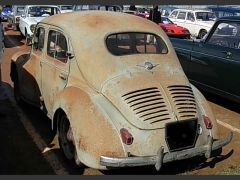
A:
x: 115, y: 92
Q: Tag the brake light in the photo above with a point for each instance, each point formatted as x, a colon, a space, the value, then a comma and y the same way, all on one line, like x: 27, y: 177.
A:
x: 127, y: 137
x: 207, y: 122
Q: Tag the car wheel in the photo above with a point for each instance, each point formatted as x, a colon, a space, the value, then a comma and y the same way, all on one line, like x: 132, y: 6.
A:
x: 65, y: 138
x: 202, y: 33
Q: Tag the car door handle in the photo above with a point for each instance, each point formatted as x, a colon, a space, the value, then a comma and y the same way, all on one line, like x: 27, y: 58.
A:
x: 63, y: 76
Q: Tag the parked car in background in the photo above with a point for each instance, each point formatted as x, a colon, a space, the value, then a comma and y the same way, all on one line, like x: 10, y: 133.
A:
x: 65, y: 8
x: 5, y: 12
x: 198, y: 22
x: 213, y: 63
x: 32, y: 15
x: 116, y: 8
x: 14, y: 16
x: 221, y: 11
x: 114, y: 99
x: 174, y: 30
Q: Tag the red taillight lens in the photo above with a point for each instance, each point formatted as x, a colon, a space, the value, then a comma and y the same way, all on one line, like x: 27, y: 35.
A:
x: 127, y: 138
x: 207, y: 122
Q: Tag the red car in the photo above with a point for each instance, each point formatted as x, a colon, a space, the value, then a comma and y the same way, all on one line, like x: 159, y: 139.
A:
x: 174, y: 30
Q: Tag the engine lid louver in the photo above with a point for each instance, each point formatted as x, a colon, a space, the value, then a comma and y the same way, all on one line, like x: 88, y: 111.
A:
x: 148, y: 105
x: 184, y: 101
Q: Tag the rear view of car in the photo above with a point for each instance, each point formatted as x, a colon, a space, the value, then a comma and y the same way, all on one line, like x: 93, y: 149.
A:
x: 116, y: 94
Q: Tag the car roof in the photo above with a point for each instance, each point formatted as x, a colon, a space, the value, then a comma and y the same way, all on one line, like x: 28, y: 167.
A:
x: 41, y: 6
x: 88, y: 29
x: 192, y: 10
x: 105, y: 22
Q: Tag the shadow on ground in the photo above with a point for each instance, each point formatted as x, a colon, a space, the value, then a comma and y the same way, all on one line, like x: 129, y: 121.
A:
x: 18, y: 153
x: 233, y: 106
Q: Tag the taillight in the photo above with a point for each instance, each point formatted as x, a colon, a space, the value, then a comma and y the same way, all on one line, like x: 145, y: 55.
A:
x: 207, y: 122
x: 127, y: 137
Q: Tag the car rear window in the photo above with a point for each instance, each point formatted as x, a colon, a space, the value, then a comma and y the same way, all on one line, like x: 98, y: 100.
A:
x: 135, y: 43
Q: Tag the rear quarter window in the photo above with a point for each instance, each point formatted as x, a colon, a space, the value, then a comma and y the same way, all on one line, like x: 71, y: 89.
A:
x: 135, y: 43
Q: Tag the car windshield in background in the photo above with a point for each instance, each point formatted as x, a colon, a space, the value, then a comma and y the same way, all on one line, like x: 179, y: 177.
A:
x: 20, y: 10
x: 135, y: 43
x: 38, y: 11
x: 165, y: 20
x: 205, y: 16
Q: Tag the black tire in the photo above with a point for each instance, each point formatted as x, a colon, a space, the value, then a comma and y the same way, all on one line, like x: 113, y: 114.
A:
x: 202, y: 33
x: 67, y: 146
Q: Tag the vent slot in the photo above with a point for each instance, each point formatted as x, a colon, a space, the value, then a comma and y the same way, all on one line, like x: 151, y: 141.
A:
x: 148, y: 105
x: 184, y: 101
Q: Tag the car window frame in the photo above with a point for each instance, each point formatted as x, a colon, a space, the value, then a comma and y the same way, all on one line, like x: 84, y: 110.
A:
x: 215, y: 26
x: 45, y: 30
x: 177, y: 11
x: 192, y: 15
x: 67, y: 41
x: 182, y: 12
x: 125, y: 32
x: 214, y: 30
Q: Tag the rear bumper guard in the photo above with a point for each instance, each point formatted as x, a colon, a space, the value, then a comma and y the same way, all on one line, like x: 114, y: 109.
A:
x: 161, y: 158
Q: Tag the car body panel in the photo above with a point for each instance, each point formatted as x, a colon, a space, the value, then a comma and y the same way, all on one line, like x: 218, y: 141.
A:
x: 95, y: 89
x: 214, y: 66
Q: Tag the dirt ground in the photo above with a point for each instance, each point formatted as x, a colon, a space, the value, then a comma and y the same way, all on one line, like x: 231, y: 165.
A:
x: 28, y: 146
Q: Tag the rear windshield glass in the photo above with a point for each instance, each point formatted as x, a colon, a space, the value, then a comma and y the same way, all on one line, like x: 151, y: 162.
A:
x: 135, y: 43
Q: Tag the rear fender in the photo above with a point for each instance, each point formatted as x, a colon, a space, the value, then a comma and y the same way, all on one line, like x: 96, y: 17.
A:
x: 94, y: 134
x: 206, y: 110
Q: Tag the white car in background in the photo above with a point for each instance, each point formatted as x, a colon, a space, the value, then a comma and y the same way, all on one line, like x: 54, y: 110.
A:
x: 198, y: 22
x: 65, y: 8
x: 32, y: 15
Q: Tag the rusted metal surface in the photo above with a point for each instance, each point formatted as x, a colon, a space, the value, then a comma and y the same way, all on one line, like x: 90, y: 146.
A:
x: 101, y: 93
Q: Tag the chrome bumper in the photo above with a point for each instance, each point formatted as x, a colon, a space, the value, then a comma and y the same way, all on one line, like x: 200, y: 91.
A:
x: 161, y: 158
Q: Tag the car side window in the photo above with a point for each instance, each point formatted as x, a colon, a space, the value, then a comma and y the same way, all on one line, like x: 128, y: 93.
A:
x: 226, y: 35
x: 57, y: 46
x: 181, y: 15
x: 174, y: 14
x: 39, y: 39
x: 190, y: 16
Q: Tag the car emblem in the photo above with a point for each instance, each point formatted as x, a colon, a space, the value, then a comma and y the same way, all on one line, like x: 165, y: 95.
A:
x: 148, y: 65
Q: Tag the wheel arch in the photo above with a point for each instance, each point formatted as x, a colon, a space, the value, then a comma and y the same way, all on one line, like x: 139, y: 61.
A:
x: 85, y: 118
x: 206, y: 108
